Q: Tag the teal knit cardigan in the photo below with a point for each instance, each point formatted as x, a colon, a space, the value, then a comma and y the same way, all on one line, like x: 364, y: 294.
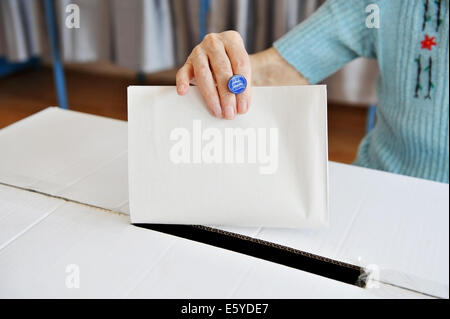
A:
x: 411, y: 46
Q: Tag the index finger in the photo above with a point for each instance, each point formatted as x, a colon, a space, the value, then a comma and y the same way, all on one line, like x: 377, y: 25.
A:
x: 184, y: 75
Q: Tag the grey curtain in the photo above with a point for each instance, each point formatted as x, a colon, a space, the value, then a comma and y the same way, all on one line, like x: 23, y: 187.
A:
x: 21, y: 29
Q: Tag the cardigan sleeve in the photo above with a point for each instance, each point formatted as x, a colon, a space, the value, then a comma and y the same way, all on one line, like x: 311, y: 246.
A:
x: 333, y: 36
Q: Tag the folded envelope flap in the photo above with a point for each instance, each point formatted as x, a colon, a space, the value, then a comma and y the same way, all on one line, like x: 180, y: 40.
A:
x: 264, y: 168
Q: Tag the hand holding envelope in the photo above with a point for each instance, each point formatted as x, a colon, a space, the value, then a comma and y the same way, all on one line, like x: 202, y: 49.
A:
x: 266, y: 168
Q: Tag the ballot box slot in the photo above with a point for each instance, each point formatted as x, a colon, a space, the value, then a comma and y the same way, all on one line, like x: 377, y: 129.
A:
x: 269, y: 251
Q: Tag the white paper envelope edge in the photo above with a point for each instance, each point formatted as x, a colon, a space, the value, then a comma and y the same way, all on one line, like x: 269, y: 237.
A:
x: 174, y: 181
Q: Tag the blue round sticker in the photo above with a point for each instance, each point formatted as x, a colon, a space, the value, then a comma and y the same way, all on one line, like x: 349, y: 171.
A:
x: 237, y: 84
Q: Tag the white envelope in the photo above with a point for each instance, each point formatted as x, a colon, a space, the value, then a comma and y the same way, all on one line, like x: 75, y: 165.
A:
x: 265, y: 168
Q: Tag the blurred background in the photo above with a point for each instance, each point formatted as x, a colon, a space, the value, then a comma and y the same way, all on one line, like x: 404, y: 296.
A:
x: 46, y: 59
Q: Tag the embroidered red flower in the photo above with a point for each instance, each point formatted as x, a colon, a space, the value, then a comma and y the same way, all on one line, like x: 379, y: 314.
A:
x: 428, y: 42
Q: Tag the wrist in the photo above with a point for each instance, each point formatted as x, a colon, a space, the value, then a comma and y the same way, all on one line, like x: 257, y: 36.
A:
x: 269, y: 68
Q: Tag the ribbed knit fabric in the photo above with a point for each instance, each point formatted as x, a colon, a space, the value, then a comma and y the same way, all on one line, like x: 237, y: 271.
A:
x: 411, y: 132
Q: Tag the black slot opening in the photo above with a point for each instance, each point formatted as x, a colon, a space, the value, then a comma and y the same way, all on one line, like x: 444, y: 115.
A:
x: 279, y: 254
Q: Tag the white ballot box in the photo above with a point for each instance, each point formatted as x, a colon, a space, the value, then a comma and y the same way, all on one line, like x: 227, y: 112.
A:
x: 51, y: 248
x: 395, y: 227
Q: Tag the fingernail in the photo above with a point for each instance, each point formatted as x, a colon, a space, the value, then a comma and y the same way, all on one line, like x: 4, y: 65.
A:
x: 181, y: 88
x: 243, y: 107
x: 217, y: 111
x: 229, y: 112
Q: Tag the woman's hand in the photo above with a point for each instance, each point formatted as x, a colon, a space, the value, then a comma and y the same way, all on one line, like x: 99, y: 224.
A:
x: 210, y: 65
x: 221, y: 55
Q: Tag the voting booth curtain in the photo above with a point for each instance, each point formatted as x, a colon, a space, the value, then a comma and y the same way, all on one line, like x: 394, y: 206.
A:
x: 153, y: 35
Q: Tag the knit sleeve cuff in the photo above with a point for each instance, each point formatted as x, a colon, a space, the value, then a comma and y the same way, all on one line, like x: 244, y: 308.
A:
x: 331, y: 37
